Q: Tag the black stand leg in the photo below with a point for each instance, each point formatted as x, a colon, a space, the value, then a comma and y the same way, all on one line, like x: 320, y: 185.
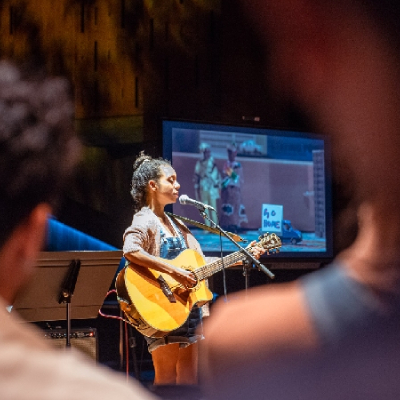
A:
x: 66, y: 292
x: 132, y: 346
x: 68, y: 343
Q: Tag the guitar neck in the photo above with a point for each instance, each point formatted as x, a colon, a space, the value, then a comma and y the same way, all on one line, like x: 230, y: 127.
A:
x: 210, y: 269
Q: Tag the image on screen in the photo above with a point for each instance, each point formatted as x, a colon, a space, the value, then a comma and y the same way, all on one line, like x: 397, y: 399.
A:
x: 258, y: 180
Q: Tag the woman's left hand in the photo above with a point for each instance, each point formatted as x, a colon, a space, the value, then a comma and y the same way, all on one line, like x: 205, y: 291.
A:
x: 256, y: 251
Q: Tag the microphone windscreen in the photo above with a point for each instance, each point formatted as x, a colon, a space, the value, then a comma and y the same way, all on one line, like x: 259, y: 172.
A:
x: 183, y: 199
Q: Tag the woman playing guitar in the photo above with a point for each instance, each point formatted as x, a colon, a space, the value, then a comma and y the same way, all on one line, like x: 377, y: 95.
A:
x: 150, y: 241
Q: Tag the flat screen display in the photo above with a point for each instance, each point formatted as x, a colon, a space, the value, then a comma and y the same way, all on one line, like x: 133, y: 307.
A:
x: 258, y: 180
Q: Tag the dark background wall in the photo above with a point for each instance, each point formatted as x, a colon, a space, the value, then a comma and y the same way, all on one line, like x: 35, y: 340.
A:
x: 132, y: 63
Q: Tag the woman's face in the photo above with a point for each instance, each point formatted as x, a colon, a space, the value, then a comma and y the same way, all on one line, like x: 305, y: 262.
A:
x: 167, y: 186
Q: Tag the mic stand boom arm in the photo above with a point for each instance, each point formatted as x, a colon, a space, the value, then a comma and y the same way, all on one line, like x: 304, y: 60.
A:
x: 260, y: 266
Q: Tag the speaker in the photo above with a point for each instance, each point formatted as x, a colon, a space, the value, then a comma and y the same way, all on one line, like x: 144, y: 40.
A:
x: 84, y: 339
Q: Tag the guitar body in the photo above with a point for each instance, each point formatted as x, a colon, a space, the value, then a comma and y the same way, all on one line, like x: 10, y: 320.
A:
x: 146, y: 305
x: 156, y: 304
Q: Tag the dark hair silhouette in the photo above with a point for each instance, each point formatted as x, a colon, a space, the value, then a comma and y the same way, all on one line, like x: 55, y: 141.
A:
x: 38, y: 147
x: 145, y: 169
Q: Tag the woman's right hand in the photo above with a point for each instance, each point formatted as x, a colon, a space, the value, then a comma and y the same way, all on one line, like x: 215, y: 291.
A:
x: 184, y: 277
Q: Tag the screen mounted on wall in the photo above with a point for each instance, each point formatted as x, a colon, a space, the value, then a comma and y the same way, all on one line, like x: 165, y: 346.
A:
x: 258, y: 180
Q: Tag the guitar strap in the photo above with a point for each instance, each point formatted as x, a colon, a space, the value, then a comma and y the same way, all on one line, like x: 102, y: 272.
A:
x: 205, y: 227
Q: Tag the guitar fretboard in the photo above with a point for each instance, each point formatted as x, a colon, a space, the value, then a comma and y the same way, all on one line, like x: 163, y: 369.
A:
x: 269, y: 242
x: 208, y: 270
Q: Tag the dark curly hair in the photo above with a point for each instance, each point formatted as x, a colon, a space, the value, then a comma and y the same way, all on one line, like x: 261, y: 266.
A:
x: 145, y: 169
x: 38, y: 146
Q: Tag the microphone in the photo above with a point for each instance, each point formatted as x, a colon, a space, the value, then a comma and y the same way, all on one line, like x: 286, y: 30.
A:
x: 185, y: 200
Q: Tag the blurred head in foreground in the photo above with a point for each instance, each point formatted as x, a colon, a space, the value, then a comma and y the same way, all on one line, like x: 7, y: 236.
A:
x: 38, y: 151
x: 326, y: 334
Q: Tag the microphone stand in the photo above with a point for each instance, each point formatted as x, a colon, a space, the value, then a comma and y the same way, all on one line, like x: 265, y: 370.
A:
x: 250, y: 256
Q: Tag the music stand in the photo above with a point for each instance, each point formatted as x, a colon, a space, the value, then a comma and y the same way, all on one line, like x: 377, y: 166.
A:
x: 78, y: 278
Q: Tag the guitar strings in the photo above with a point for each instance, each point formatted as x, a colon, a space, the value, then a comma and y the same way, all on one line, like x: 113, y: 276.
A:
x: 208, y: 270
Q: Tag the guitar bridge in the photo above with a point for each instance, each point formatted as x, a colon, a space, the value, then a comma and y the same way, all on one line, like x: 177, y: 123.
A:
x: 166, y: 289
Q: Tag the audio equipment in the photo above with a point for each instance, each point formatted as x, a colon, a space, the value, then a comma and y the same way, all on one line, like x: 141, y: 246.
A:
x: 84, y: 339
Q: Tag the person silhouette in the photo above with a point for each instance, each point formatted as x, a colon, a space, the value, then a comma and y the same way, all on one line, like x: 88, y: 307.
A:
x: 333, y: 333
x: 38, y: 153
x: 233, y: 212
x: 207, y: 180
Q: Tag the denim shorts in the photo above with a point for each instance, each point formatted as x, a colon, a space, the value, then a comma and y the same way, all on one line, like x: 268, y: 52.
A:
x: 190, y: 332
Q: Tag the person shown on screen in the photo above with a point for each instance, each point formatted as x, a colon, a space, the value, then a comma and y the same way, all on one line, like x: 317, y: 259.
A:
x: 207, y: 180
x: 233, y: 212
x: 38, y: 150
x: 334, y: 333
x: 151, y: 241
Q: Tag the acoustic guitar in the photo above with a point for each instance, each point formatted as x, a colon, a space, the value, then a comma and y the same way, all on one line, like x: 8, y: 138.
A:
x: 155, y: 303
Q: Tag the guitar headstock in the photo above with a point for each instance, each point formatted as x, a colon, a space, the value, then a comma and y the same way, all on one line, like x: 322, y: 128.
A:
x: 270, y: 242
